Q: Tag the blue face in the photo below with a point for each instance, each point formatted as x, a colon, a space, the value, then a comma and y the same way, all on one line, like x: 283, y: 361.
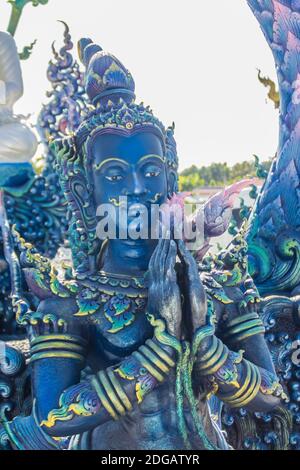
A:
x: 131, y: 166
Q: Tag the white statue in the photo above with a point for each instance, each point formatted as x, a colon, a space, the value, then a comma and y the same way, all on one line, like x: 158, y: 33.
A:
x: 18, y: 143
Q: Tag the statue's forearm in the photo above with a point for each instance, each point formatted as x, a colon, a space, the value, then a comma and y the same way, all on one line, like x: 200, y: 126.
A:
x: 112, y: 393
x: 237, y: 381
x: 56, y: 362
x: 245, y: 379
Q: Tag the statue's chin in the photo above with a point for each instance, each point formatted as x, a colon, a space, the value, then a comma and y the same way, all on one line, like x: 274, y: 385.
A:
x: 136, y: 249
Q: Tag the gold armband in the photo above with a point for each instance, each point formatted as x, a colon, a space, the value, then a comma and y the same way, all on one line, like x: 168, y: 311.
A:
x: 58, y: 346
x: 243, y: 327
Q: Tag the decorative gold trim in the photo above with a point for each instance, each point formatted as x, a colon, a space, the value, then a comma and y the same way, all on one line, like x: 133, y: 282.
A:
x: 153, y: 358
x: 242, y: 388
x: 211, y: 351
x: 130, y: 296
x: 111, y: 393
x: 102, y: 398
x: 248, y: 334
x: 242, y: 319
x: 247, y: 326
x: 56, y: 345
x: 160, y: 352
x: 146, y: 364
x: 119, y: 390
x: 98, y: 166
x: 59, y: 337
x: 213, y: 357
x: 56, y: 354
x: 240, y: 399
x: 216, y: 361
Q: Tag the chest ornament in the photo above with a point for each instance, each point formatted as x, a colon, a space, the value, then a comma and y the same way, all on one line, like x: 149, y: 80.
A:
x: 119, y: 311
x: 119, y: 297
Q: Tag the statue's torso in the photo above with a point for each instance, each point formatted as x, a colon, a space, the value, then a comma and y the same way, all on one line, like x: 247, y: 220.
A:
x: 116, y: 329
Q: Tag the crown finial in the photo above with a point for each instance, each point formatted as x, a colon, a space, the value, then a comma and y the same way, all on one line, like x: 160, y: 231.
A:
x: 106, y: 78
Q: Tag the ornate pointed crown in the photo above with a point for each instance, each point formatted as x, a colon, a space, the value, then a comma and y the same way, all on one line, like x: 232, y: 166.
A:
x: 110, y: 88
x: 106, y: 77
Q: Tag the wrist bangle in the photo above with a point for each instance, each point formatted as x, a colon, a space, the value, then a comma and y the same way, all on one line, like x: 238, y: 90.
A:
x: 217, y: 356
x: 149, y: 365
x: 248, y: 389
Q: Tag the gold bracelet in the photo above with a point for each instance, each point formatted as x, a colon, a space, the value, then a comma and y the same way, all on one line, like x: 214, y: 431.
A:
x: 248, y: 390
x: 216, y: 361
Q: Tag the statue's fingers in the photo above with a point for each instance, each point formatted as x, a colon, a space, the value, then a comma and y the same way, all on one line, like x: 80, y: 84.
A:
x: 188, y: 259
x: 180, y: 250
x: 152, y: 259
x: 164, y: 254
x: 171, y: 259
x: 184, y: 252
x: 156, y: 258
x: 164, y: 249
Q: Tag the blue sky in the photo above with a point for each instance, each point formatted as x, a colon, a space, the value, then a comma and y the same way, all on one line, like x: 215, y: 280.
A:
x: 194, y: 62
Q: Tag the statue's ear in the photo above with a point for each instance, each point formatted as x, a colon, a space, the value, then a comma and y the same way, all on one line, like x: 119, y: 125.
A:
x: 172, y: 182
x: 172, y: 161
x: 74, y: 183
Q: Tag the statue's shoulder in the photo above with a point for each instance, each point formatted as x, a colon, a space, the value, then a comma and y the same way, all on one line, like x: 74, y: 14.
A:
x: 44, y: 279
x: 61, y: 307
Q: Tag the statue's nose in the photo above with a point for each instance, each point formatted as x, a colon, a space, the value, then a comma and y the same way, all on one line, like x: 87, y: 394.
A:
x: 137, y: 186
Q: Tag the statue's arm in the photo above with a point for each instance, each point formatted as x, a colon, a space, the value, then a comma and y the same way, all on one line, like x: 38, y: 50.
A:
x: 58, y: 348
x: 231, y: 357
x: 239, y: 368
x: 112, y: 393
x: 64, y: 406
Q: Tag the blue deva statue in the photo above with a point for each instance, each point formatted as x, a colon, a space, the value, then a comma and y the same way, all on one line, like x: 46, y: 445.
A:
x: 152, y: 360
x: 139, y: 345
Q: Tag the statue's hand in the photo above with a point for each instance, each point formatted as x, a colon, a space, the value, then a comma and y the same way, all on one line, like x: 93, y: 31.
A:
x: 194, y: 293
x: 164, y: 298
